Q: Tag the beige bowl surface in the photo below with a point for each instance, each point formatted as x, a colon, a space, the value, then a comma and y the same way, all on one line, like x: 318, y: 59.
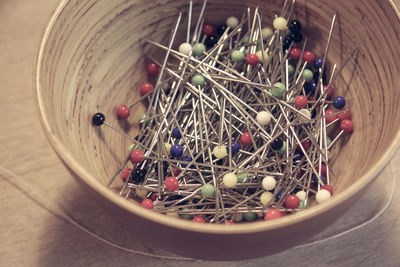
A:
x: 92, y: 58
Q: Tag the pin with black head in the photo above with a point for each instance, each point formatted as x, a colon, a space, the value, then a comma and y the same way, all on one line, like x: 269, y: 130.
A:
x: 294, y: 26
x: 276, y: 144
x: 221, y: 29
x: 296, y: 37
x: 98, y: 119
x: 211, y: 41
x: 138, y: 175
x: 286, y: 43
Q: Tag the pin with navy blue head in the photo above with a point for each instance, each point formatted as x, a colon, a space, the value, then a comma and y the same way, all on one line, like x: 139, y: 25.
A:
x: 186, y: 158
x: 175, y: 133
x: 177, y: 150
x: 339, y: 102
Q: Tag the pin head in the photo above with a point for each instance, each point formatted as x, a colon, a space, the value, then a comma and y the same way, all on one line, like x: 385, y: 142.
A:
x: 138, y: 175
x: 282, y: 150
x: 268, y: 183
x: 155, y: 197
x: 123, y: 112
x: 235, y: 148
x: 292, y: 202
x: 245, y: 139
x: 252, y: 59
x: 329, y: 188
x: 168, y: 147
x: 277, y: 144
x: 280, y: 23
x: 316, y: 180
x: 294, y: 26
x: 208, y: 29
x: 346, y: 126
x: 329, y: 93
x: 232, y: 22
x: 221, y: 29
x: 339, y: 102
x: 137, y: 156
x: 306, y: 113
x: 211, y: 40
x: 301, y: 195
x: 186, y: 158
x: 207, y: 190
x: 263, y: 117
x: 237, y: 56
x: 198, y: 219
x: 143, y: 118
x: 308, y: 57
x: 344, y: 115
x: 310, y: 87
x: 176, y: 150
x: 146, y: 88
x: 330, y: 116
x: 271, y: 214
x: 271, y: 115
x: 246, y: 39
x: 286, y: 43
x: 296, y: 37
x: 230, y: 180
x: 266, y: 198
x: 185, y: 48
x: 237, y: 217
x: 266, y: 32
x: 171, y: 184
x: 186, y: 216
x: 278, y: 90
x: 318, y: 62
x: 322, y: 196
x: 300, y: 101
x: 176, y: 171
x: 98, y: 119
x: 305, y: 143
x: 152, y: 69
x: 198, y: 49
x: 328, y: 142
x: 126, y: 173
x: 295, y: 53
x: 250, y: 216
x: 175, y: 133
x: 307, y: 75
x: 142, y: 193
x: 242, y: 177
x: 220, y: 152
x: 147, y: 204
x: 198, y: 80
x: 302, y: 204
x: 262, y: 55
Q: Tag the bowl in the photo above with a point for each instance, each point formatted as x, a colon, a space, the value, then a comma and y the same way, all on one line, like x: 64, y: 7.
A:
x: 92, y: 58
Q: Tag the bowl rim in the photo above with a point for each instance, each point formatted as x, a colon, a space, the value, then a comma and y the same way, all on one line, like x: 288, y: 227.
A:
x: 219, y: 229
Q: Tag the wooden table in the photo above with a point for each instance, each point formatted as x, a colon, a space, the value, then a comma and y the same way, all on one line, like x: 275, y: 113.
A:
x: 31, y: 235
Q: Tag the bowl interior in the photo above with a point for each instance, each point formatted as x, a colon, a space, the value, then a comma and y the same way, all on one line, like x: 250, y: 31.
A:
x: 94, y: 55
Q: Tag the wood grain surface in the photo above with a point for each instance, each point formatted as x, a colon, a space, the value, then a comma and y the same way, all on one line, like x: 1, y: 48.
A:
x: 31, y: 235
